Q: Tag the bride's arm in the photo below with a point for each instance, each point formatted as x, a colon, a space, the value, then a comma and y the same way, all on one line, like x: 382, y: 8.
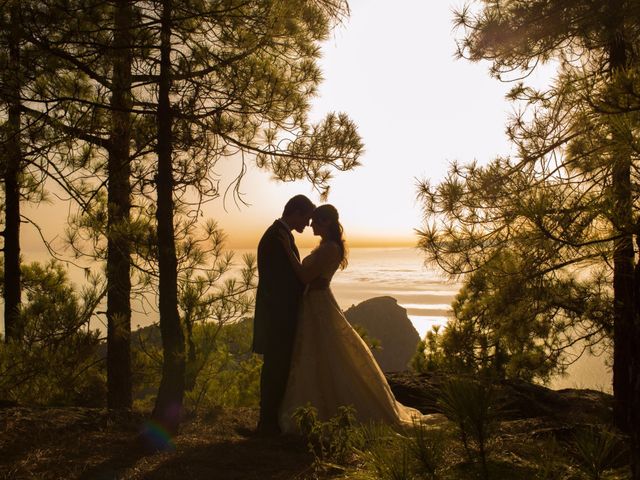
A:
x: 325, y: 254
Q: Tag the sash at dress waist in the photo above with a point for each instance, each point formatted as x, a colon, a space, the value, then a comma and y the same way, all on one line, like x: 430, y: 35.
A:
x: 319, y: 284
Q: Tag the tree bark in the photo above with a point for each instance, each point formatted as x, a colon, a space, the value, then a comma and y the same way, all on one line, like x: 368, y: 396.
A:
x: 634, y: 375
x: 623, y: 254
x: 623, y: 286
x: 119, y: 394
x: 626, y: 357
x: 168, y: 407
x: 13, y: 165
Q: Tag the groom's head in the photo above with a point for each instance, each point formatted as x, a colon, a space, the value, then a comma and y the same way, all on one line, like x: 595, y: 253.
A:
x: 297, y: 212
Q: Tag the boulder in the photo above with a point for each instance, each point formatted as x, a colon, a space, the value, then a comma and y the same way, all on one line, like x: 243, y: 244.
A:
x: 386, y: 321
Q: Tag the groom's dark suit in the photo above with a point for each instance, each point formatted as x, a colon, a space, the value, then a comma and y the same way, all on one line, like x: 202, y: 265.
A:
x: 276, y: 316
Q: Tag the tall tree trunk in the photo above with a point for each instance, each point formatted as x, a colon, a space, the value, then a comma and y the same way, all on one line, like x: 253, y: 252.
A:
x: 623, y: 285
x: 623, y: 254
x: 119, y: 206
x: 634, y: 375
x: 624, y: 291
x: 626, y: 357
x: 168, y: 407
x: 12, y: 325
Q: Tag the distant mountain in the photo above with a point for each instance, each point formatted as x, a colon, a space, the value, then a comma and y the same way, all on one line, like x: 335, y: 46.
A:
x: 386, y: 321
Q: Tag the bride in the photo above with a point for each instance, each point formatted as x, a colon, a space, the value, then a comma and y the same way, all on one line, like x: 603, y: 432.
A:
x: 331, y: 365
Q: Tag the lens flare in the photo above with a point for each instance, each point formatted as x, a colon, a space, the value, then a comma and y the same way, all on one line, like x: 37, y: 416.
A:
x: 157, y: 436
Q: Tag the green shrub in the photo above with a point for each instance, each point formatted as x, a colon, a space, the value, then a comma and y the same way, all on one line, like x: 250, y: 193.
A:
x: 418, y: 453
x: 427, y: 446
x: 393, y: 460
x: 330, y: 442
x: 429, y: 356
x: 470, y: 405
x: 57, y: 361
x: 222, y: 372
x: 596, y: 450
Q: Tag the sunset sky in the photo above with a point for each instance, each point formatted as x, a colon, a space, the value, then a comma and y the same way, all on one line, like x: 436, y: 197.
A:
x: 393, y: 71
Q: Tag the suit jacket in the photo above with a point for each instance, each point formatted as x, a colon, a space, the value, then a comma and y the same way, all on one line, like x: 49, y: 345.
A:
x: 279, y: 291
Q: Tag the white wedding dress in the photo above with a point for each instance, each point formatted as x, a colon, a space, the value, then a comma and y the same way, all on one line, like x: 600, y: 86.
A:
x: 332, y: 366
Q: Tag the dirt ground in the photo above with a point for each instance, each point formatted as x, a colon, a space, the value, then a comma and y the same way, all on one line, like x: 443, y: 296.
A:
x: 91, y: 444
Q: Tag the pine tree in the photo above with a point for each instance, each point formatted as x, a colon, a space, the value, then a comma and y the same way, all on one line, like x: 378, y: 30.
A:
x: 13, y: 164
x: 168, y: 406
x: 119, y: 206
x: 86, y: 106
x: 568, y: 200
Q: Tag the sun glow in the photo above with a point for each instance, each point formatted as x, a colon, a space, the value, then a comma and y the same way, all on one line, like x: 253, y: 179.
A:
x: 417, y: 109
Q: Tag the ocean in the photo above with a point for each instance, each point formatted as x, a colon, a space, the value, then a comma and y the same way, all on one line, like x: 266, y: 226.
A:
x: 427, y: 294
x: 399, y: 273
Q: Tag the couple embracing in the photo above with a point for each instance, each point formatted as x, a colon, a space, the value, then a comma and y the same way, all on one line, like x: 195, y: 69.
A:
x: 311, y: 353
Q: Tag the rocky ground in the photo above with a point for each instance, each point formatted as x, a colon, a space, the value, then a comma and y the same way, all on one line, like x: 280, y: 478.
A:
x: 79, y: 443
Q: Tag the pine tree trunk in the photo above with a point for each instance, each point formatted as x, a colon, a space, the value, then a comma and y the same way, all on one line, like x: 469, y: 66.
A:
x: 168, y: 407
x: 623, y: 254
x: 118, y: 248
x: 625, y: 352
x: 626, y: 357
x: 623, y: 288
x: 13, y: 328
x: 634, y: 374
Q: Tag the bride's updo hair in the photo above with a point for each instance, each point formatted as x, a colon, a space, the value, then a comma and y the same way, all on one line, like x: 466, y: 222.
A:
x: 329, y: 214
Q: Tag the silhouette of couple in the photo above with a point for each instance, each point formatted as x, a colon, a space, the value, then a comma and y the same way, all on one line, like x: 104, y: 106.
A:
x: 311, y: 353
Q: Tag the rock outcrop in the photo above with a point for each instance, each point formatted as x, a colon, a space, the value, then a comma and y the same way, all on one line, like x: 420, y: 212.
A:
x: 386, y: 321
x: 514, y: 399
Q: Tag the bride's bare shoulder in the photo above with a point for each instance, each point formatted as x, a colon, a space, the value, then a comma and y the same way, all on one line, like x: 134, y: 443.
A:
x: 329, y: 250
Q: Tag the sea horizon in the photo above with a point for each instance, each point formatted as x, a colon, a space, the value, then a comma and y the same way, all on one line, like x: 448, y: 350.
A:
x: 398, y: 272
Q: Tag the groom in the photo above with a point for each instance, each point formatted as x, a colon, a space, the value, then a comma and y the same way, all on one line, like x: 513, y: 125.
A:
x: 276, y: 312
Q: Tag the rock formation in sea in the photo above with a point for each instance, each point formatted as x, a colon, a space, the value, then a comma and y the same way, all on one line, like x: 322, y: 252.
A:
x: 386, y: 321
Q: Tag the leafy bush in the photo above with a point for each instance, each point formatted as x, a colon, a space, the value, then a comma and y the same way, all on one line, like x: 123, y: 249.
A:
x: 470, y: 405
x: 225, y: 371
x: 330, y: 442
x: 392, y: 461
x: 597, y: 450
x: 372, y: 343
x: 429, y: 355
x: 222, y: 370
x: 58, y: 361
x: 427, y: 446
x: 416, y: 453
x: 383, y: 450
x: 508, y: 323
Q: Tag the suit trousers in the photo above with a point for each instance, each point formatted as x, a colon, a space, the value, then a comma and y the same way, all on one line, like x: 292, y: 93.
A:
x: 274, y: 375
